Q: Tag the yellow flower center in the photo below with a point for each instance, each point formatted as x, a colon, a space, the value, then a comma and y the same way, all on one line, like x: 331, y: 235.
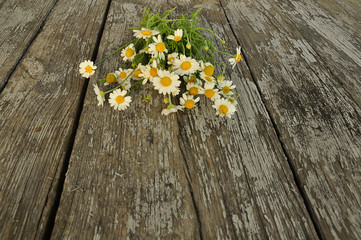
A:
x: 223, y: 109
x: 137, y: 72
x: 88, y: 69
x: 129, y: 52
x: 209, y: 93
x: 119, y: 99
x: 231, y: 100
x: 238, y: 58
x: 153, y: 72
x: 123, y: 87
x: 146, y: 32
x: 189, y: 104
x: 186, y: 65
x: 191, y: 79
x: 110, y: 78
x: 160, y: 47
x: 166, y: 81
x: 209, y: 79
x: 226, y: 89
x: 171, y: 59
x: 177, y: 38
x: 193, y: 91
x: 122, y: 75
x: 209, y: 70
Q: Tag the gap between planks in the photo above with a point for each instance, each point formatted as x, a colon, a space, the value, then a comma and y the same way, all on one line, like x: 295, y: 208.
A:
x: 64, y: 168
x: 3, y: 85
x: 188, y: 174
x: 292, y: 167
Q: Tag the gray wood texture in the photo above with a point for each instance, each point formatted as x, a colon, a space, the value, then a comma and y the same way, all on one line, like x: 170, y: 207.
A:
x: 20, y: 22
x: 139, y: 175
x: 306, y: 63
x: 286, y: 166
x: 38, y: 109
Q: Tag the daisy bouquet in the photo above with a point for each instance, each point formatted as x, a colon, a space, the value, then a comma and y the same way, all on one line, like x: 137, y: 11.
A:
x: 172, y: 55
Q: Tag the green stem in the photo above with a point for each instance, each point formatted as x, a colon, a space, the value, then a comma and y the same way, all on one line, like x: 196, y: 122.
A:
x: 170, y: 100
x: 229, y: 54
x: 111, y: 90
x: 115, y: 52
x: 136, y: 86
x: 208, y: 30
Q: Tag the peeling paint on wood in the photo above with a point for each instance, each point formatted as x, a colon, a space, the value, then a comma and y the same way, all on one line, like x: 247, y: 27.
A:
x: 306, y: 64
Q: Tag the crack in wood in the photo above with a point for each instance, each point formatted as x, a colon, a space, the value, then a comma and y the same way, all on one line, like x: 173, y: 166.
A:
x: 64, y: 168
x: 292, y: 167
x: 187, y: 174
x: 3, y: 85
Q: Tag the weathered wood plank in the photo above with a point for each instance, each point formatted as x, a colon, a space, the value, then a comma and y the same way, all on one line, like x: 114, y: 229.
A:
x: 140, y: 175
x: 333, y: 36
x: 126, y: 176
x: 19, y: 24
x: 37, y: 113
x: 240, y: 177
x: 316, y: 112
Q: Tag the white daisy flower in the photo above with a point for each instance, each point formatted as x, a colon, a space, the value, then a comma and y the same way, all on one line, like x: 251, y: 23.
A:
x: 210, y: 92
x: 171, y: 57
x: 177, y: 35
x: 236, y: 57
x: 188, y: 101
x: 232, y: 100
x: 100, y: 95
x: 110, y: 78
x: 158, y: 48
x: 176, y: 92
x: 128, y: 53
x: 171, y: 109
x: 138, y: 73
x: 166, y: 82
x: 226, y: 87
x: 192, y: 79
x: 194, y: 89
x: 149, y: 72
x: 145, y: 33
x: 122, y: 74
x: 207, y: 68
x: 87, y: 68
x: 206, y: 77
x: 118, y: 100
x: 126, y: 85
x: 224, y: 108
x: 185, y: 65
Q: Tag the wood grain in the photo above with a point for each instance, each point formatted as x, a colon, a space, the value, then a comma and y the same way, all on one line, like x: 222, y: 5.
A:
x: 139, y: 175
x: 306, y: 64
x: 20, y: 23
x: 37, y: 113
x: 126, y: 178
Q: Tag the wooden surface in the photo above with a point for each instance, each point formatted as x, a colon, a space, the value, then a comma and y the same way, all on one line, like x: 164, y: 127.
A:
x: 42, y: 92
x: 286, y: 166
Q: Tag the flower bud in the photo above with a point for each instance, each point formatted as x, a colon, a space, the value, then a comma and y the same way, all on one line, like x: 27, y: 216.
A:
x: 220, y: 78
x: 188, y: 46
x: 223, y: 42
x: 206, y: 48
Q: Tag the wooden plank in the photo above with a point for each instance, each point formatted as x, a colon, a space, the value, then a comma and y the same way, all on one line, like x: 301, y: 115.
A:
x: 37, y: 114
x: 126, y: 175
x: 20, y: 23
x: 140, y: 175
x: 333, y: 35
x: 318, y: 119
